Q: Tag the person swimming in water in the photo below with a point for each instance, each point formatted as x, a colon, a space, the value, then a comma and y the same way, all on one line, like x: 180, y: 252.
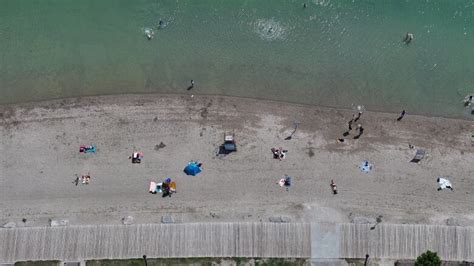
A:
x: 149, y: 34
x: 408, y: 38
x: 468, y: 100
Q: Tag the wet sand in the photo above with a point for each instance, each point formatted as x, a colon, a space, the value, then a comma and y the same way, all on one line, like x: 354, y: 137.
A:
x: 40, y: 147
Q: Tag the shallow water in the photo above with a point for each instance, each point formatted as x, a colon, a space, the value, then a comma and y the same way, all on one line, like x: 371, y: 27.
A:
x: 332, y: 53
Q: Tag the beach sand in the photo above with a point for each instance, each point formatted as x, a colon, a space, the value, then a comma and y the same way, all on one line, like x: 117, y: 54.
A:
x: 40, y: 160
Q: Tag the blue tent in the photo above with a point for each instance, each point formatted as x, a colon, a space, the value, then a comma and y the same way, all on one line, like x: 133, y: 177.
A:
x: 192, y: 169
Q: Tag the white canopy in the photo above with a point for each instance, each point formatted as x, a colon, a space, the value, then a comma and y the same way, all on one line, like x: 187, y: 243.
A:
x: 444, y: 183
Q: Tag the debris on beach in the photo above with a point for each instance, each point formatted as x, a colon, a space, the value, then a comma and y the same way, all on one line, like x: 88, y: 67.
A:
x: 279, y: 219
x: 9, y: 225
x: 167, y: 219
x: 128, y: 220
x: 59, y: 222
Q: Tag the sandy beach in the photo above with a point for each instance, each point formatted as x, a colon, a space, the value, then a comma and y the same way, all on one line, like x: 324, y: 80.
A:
x: 40, y: 160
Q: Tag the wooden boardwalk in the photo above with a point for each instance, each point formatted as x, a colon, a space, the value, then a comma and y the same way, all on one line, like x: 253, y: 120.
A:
x: 297, y: 240
x: 397, y: 241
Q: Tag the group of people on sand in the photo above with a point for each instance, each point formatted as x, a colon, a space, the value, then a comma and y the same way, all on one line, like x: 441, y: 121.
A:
x: 279, y: 153
x: 85, y: 179
x: 359, y: 129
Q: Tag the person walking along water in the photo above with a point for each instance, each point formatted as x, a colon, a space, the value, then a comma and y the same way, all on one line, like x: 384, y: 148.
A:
x: 192, y: 85
x: 402, y: 114
x: 350, y: 122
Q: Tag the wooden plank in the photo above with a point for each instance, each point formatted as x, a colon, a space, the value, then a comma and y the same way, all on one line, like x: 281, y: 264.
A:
x: 386, y: 241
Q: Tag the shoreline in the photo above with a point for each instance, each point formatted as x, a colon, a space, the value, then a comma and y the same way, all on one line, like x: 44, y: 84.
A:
x: 160, y: 94
x: 42, y: 141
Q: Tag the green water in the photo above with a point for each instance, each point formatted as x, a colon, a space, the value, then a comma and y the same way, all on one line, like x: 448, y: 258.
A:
x: 332, y: 53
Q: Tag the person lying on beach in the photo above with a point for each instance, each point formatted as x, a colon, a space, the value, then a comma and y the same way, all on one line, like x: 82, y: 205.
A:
x: 276, y: 153
x: 136, y: 157
x: 86, y: 179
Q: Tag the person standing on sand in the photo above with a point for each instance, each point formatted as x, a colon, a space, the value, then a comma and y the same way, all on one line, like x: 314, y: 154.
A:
x: 350, y: 122
x: 334, y: 187
x: 402, y: 114
x: 358, y: 116
x: 361, y: 130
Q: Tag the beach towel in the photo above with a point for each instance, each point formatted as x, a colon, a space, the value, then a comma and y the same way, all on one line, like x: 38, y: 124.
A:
x: 365, y: 166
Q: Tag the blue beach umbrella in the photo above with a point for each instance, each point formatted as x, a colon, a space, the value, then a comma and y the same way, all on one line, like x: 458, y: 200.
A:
x: 192, y: 169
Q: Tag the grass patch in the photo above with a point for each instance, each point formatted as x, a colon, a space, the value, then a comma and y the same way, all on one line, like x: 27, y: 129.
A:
x: 38, y: 263
x: 200, y: 262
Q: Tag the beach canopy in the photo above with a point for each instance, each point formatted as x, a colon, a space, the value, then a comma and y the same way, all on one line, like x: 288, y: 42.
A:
x: 444, y: 183
x: 192, y: 168
x: 420, y: 154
